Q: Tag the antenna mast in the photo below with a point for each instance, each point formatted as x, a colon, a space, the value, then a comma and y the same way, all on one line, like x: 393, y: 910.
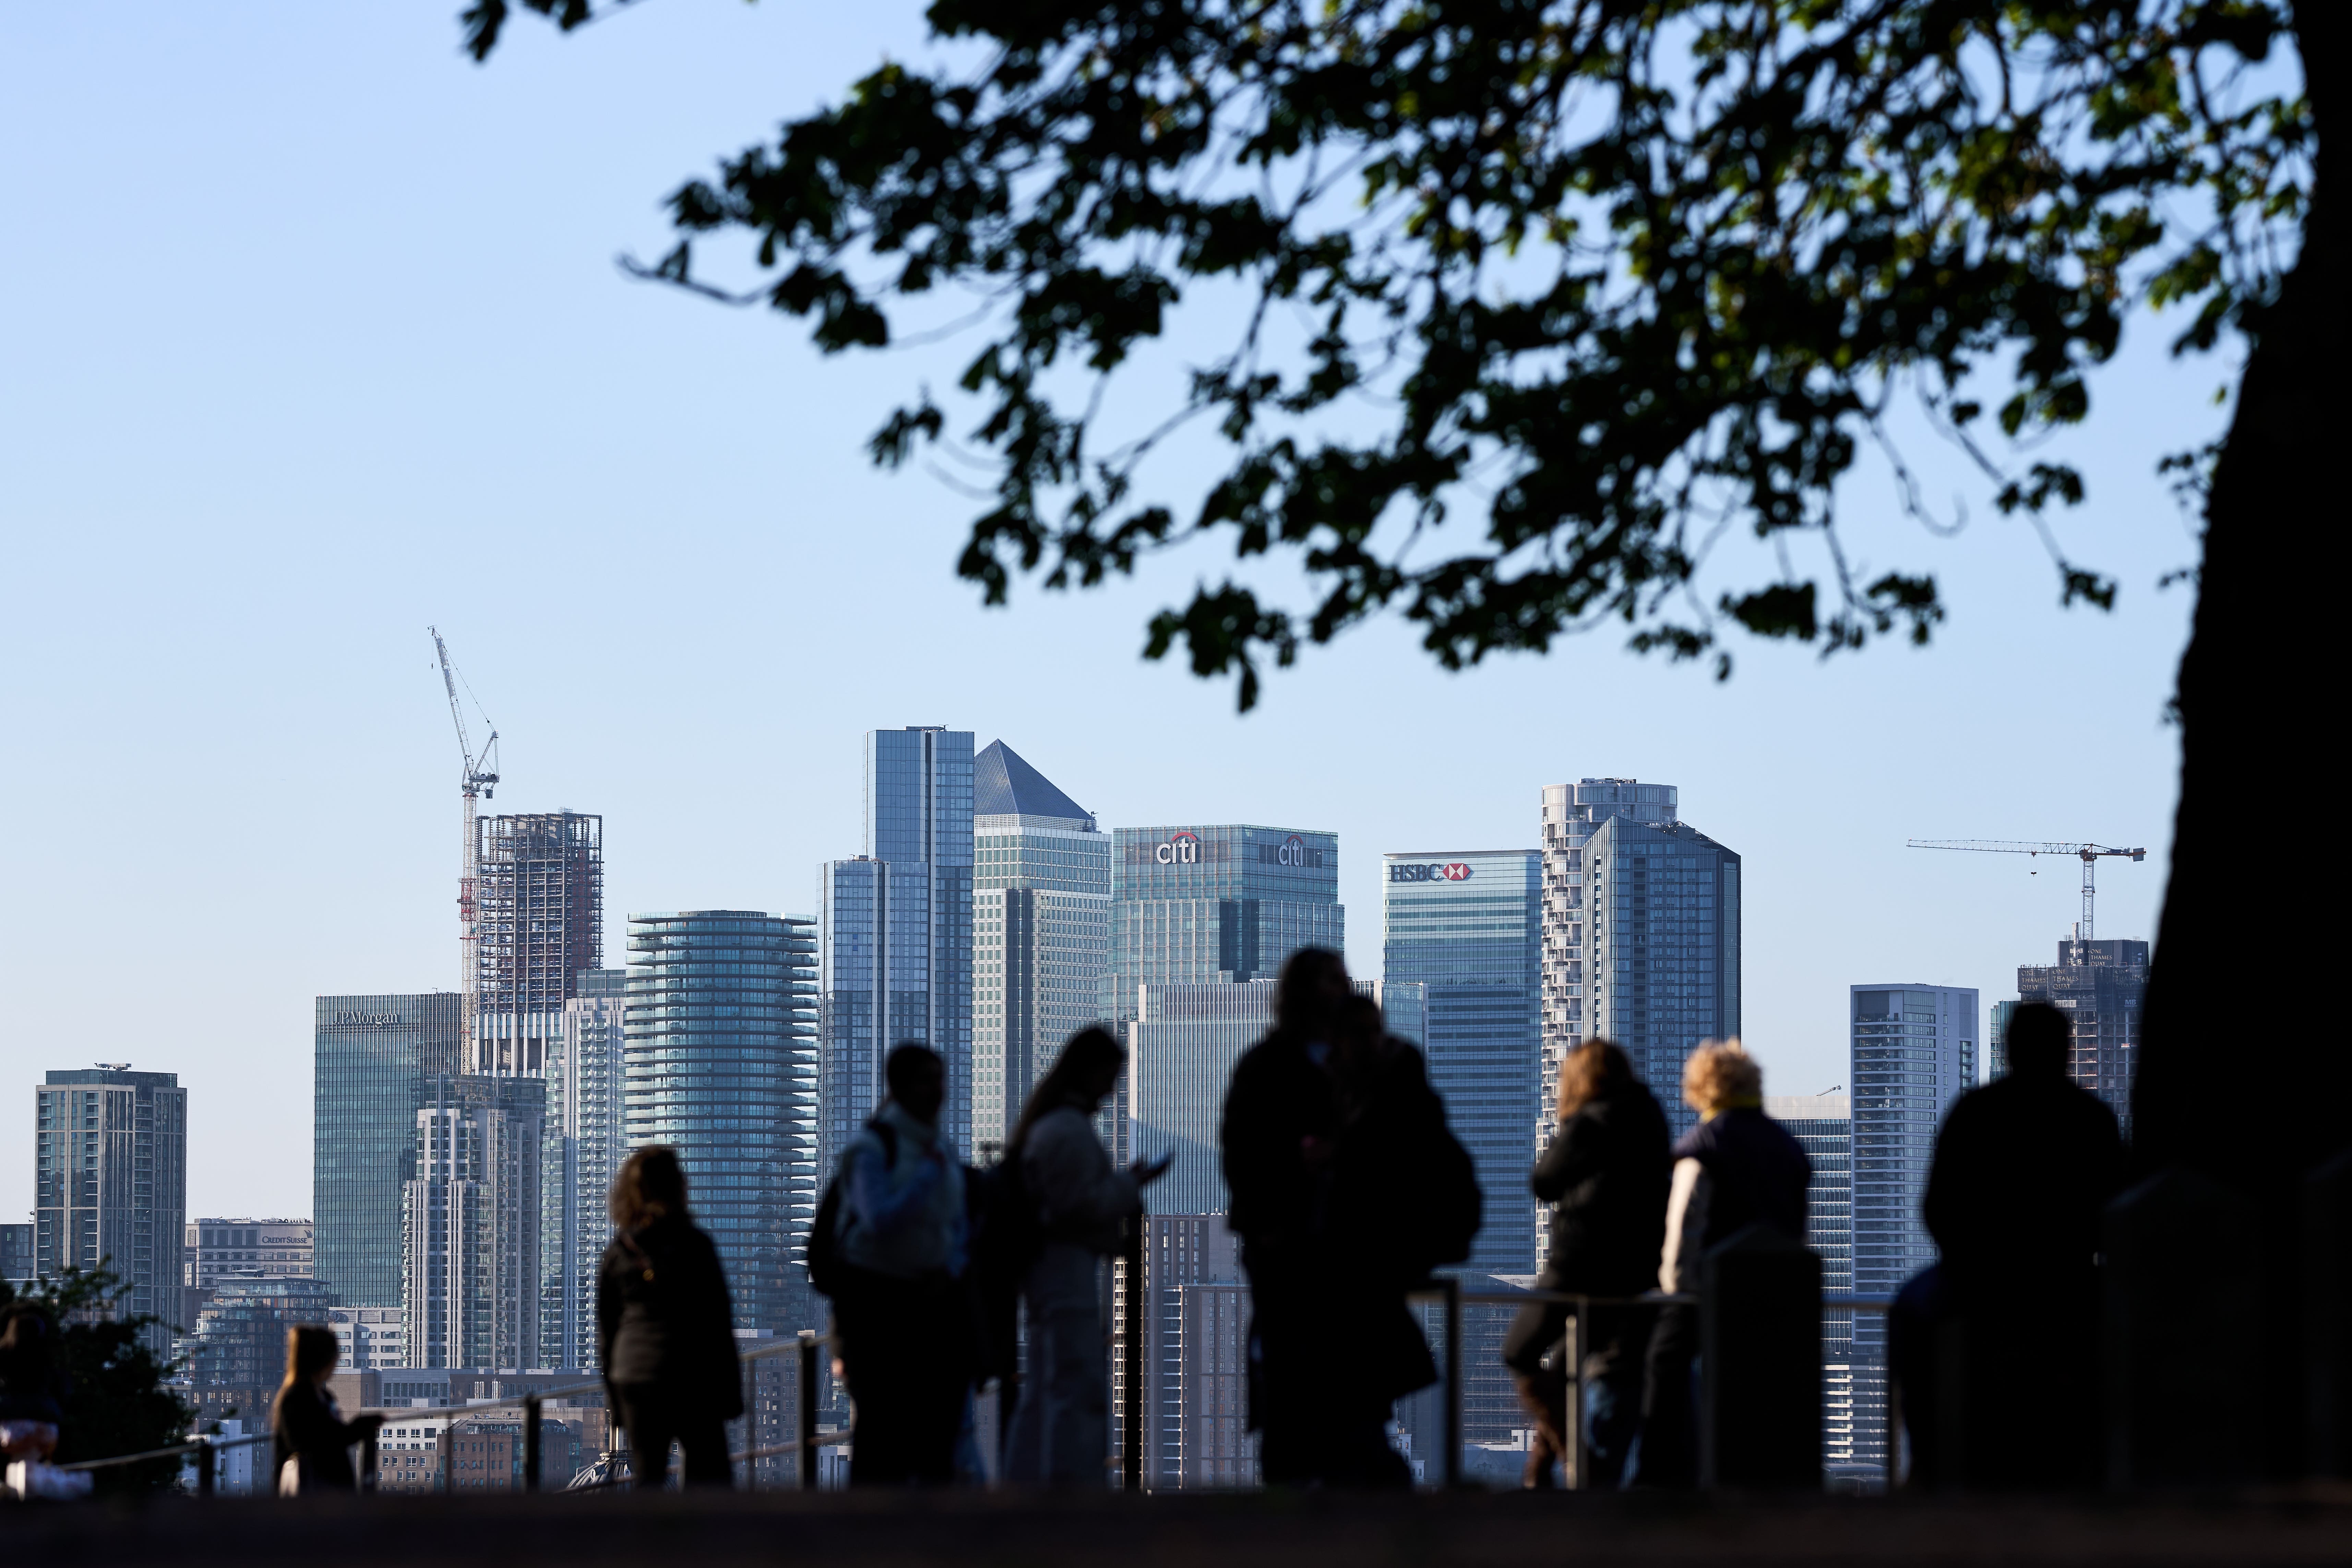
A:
x: 476, y: 778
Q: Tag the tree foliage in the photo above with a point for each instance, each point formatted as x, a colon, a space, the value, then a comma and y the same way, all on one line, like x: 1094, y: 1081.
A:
x: 1540, y: 300
x: 120, y: 1401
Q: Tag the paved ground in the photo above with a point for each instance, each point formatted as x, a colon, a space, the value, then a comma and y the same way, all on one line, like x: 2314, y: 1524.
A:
x: 1493, y: 1530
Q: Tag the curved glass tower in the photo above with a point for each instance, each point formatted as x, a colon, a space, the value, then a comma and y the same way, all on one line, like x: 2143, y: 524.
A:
x: 719, y: 1062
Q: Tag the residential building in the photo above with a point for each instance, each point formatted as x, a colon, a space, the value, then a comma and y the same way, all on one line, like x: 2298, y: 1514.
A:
x: 470, y: 1292
x: 18, y: 1256
x: 897, y: 948
x: 1195, y: 1357
x: 586, y: 1144
x: 1216, y: 904
x: 372, y: 1059
x: 111, y: 1183
x: 1466, y: 927
x: 1914, y: 1052
x: 1997, y: 1037
x: 716, y: 1063
x: 539, y: 902
x: 1181, y: 1054
x: 1040, y: 932
x: 368, y: 1339
x: 2102, y: 987
x: 1853, y: 1393
x: 412, y: 1453
x: 236, y: 1357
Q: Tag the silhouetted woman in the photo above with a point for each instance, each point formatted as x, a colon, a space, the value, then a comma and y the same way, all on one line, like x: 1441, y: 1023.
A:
x: 1060, y: 1428
x: 665, y: 1328
x: 1606, y: 1173
x: 312, y: 1441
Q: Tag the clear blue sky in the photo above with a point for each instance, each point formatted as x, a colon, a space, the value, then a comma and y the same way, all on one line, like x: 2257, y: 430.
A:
x: 310, y: 334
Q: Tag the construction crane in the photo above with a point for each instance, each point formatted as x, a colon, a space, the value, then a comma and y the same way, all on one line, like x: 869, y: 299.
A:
x: 476, y: 778
x: 2089, y: 854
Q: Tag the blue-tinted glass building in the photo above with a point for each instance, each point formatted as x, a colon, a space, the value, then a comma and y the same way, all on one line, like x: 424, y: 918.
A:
x: 896, y: 952
x: 373, y: 1059
x: 1466, y: 926
x: 715, y: 1064
x: 1199, y: 905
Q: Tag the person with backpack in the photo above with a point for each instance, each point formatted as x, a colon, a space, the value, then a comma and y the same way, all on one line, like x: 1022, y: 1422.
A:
x: 1064, y: 1177
x: 665, y: 1328
x: 892, y: 1248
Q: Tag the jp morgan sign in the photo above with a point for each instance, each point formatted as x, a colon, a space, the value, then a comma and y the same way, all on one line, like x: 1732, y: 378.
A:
x: 369, y: 1021
x: 1181, y: 849
x: 1431, y: 871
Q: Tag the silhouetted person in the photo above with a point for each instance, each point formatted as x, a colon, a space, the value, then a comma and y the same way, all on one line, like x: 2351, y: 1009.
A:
x: 906, y: 1321
x: 1061, y: 1426
x: 1736, y: 1168
x: 1994, y: 1349
x: 665, y: 1328
x: 33, y: 1386
x: 308, y: 1431
x: 1606, y: 1174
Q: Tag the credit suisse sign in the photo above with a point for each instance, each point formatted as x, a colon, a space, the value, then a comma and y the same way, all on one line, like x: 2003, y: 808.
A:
x: 1429, y: 871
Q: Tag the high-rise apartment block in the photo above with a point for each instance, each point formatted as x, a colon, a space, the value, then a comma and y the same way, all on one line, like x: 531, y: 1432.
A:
x: 1040, y: 932
x: 2102, y: 987
x: 1854, y: 1392
x: 896, y: 961
x: 374, y: 1059
x: 719, y: 1065
x: 1195, y: 1357
x: 585, y: 1145
x: 539, y: 902
x: 19, y: 1256
x: 1466, y: 927
x: 471, y: 1284
x: 110, y: 1182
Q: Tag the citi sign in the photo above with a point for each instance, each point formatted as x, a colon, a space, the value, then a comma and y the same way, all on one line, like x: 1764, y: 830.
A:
x: 1292, y: 851
x: 1431, y: 871
x: 1181, y: 849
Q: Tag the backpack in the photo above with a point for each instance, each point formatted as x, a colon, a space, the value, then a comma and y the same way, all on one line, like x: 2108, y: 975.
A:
x: 824, y: 1264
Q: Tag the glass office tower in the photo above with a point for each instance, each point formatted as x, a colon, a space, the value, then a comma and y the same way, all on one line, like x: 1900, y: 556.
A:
x: 896, y: 949
x: 1040, y: 932
x: 1200, y: 905
x: 714, y: 1065
x: 372, y: 1060
x: 1466, y: 926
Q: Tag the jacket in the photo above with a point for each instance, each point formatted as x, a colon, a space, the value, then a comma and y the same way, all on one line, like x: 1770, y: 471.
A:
x: 1278, y: 1100
x: 902, y: 1211
x: 309, y: 1427
x: 1737, y: 1169
x: 664, y: 1316
x: 1080, y: 1198
x: 2023, y: 1167
x: 1606, y: 1174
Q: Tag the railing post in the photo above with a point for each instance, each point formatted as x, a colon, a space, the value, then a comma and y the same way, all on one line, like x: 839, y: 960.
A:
x: 1452, y: 1288
x: 1579, y: 1329
x: 1131, y: 1399
x: 807, y: 1455
x: 204, y: 1466
x: 368, y: 1461
x: 531, y: 1441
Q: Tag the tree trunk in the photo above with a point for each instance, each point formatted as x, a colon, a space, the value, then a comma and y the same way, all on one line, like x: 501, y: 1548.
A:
x: 2244, y: 1065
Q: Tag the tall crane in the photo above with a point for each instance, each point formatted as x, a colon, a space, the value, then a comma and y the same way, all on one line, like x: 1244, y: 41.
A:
x: 2089, y: 854
x: 476, y: 778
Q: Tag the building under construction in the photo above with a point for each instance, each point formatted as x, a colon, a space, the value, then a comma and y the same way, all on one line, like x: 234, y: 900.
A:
x: 2102, y: 987
x: 539, y: 913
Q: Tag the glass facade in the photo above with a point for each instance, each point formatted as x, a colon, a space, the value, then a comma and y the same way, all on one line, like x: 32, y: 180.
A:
x: 1040, y: 933
x: 1181, y: 1050
x: 1466, y: 926
x: 1854, y: 1409
x: 470, y: 1275
x: 717, y: 1064
x: 586, y: 1144
x: 1199, y: 905
x: 372, y: 1059
x: 111, y: 1183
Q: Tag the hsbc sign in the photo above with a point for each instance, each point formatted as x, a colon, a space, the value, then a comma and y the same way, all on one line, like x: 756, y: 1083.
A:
x: 1431, y: 871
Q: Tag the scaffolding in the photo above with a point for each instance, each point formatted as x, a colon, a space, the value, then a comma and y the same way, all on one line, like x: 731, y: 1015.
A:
x: 540, y: 918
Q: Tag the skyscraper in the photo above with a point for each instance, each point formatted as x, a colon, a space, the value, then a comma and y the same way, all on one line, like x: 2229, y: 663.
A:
x: 1041, y: 932
x: 2102, y: 987
x: 1854, y: 1408
x: 716, y: 1065
x: 1465, y: 925
x: 1661, y: 950
x: 470, y: 1275
x: 539, y: 897
x: 110, y: 1182
x: 585, y: 1146
x: 372, y: 1058
x: 896, y: 953
x: 1914, y: 1052
x: 1201, y: 905
x: 1182, y: 1049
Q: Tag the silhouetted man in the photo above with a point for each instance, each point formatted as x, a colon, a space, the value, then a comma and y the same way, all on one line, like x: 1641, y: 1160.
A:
x: 1994, y: 1347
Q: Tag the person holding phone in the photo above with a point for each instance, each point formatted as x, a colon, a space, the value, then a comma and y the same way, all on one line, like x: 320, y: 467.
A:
x: 1061, y: 1427
x: 310, y: 1441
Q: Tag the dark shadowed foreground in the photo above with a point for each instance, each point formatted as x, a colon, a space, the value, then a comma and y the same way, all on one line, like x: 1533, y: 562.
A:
x: 971, y: 1530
